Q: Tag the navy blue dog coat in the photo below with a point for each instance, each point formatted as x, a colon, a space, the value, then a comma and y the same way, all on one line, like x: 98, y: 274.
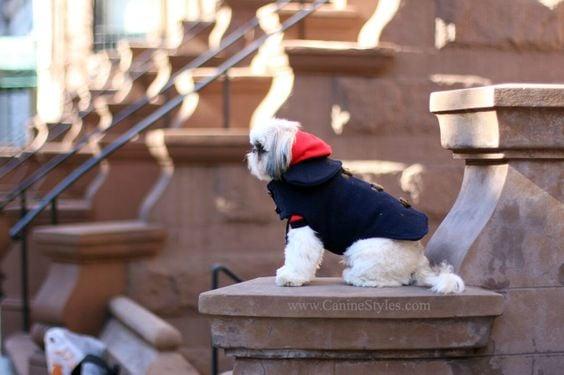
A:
x: 340, y: 208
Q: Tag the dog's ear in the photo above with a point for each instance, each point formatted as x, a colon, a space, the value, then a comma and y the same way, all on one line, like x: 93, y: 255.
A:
x: 277, y: 155
x: 273, y: 159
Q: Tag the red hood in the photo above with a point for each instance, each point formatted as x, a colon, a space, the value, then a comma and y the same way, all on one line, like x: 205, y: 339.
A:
x: 308, y: 146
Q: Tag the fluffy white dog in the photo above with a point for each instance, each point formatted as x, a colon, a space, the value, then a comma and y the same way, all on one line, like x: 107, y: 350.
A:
x: 327, y: 208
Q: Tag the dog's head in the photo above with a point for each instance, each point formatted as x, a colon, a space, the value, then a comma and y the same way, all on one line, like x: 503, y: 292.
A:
x: 271, y: 148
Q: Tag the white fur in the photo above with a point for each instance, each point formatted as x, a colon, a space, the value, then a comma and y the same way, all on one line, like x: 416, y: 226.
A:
x: 373, y: 262
x: 302, y: 257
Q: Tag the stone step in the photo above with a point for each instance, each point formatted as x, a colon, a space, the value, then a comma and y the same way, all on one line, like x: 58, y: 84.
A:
x: 196, y: 37
x: 195, y: 41
x: 328, y: 23
x: 129, y: 328
x: 52, y: 150
x: 142, y: 79
x: 178, y: 61
x: 58, y: 131
x: 339, y: 58
x: 246, y: 91
x: 189, y: 26
x: 19, y: 348
x: 257, y: 321
x: 103, y: 92
x: 68, y: 211
x: 203, y: 145
x: 115, y: 108
x: 134, y: 329
x: 131, y: 175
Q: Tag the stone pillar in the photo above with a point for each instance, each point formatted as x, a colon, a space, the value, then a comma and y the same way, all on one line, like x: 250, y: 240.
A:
x: 88, y: 268
x: 332, y: 328
x: 505, y: 229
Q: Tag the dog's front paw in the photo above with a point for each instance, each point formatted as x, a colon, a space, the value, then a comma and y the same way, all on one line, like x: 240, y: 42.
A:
x: 287, y: 277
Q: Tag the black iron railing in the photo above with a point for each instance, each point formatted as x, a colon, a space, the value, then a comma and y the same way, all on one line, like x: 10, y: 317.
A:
x: 139, y: 67
x: 216, y: 271
x: 18, y: 231
x: 18, y: 160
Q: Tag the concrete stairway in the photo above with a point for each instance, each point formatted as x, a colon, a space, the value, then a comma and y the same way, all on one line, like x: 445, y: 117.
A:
x: 105, y: 193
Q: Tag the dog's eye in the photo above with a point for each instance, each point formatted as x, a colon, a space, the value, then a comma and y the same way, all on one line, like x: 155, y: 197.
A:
x: 258, y: 148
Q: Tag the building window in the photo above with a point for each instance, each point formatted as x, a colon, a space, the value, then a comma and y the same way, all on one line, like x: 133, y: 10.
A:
x: 124, y: 19
x: 17, y: 73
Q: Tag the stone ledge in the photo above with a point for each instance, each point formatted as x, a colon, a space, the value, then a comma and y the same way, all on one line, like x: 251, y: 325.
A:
x: 56, y: 148
x: 99, y: 241
x: 133, y: 151
x: 496, y: 96
x: 242, y: 80
x: 69, y: 210
x: 213, y: 145
x: 154, y: 330
x: 325, y: 11
x: 345, y: 58
x: 329, y: 319
x: 262, y: 298
x: 512, y: 121
x: 136, y: 356
x: 19, y: 347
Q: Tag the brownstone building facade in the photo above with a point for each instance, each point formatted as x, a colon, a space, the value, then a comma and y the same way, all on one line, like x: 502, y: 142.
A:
x: 159, y: 212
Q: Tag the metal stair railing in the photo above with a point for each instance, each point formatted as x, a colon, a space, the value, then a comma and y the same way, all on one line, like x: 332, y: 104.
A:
x: 199, y: 61
x: 18, y: 231
x: 138, y: 67
x: 216, y: 270
x: 19, y: 159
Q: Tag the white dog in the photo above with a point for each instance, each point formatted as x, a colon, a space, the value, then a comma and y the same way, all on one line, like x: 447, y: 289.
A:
x: 377, y: 235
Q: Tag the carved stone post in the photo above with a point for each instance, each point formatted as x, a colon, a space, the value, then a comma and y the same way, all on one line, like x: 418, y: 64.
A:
x: 89, y: 267
x: 505, y: 231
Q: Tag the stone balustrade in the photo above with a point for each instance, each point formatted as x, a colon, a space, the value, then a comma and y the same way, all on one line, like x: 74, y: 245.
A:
x: 504, y: 232
x: 89, y: 267
x: 141, y: 342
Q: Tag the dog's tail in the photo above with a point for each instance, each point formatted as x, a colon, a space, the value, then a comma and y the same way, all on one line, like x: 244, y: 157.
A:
x: 440, y: 278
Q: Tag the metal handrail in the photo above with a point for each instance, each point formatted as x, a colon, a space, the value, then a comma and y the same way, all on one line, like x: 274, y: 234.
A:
x: 216, y: 270
x: 199, y: 61
x: 140, y: 68
x: 16, y: 161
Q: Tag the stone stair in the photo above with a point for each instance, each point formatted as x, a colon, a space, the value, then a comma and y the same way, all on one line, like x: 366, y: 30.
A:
x: 246, y: 90
x: 329, y: 23
x: 104, y: 193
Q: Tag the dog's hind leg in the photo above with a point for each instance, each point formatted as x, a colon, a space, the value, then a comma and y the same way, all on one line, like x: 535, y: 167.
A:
x: 381, y: 262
